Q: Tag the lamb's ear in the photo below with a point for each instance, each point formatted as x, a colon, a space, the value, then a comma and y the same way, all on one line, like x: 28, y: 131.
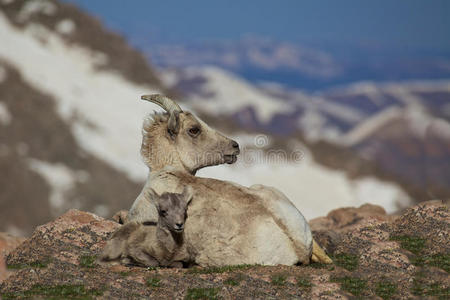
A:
x: 188, y: 193
x: 173, y: 125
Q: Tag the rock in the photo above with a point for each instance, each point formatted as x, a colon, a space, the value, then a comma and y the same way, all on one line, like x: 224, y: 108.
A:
x: 7, y: 244
x: 343, y: 219
x: 377, y: 255
x: 3, y: 271
x: 328, y: 230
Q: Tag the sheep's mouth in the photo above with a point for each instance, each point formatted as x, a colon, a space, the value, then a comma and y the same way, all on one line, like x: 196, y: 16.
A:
x: 178, y: 230
x: 230, y: 158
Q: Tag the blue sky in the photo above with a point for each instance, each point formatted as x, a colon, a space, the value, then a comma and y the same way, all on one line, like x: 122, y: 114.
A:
x: 404, y: 23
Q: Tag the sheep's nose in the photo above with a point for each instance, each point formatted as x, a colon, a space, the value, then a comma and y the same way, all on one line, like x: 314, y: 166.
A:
x: 179, y: 225
x: 235, y: 145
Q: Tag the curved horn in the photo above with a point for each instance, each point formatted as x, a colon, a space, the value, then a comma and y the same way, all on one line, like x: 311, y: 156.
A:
x: 166, y: 103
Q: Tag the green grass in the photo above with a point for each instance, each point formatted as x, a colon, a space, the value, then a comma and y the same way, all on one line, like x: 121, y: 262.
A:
x: 278, y: 279
x: 223, y: 269
x: 153, y: 282
x: 87, y: 261
x: 55, y: 292
x: 421, y: 288
x: 416, y: 246
x: 234, y: 280
x: 347, y: 261
x: 354, y: 285
x: 413, y: 244
x: 386, y: 289
x: 125, y: 273
x: 34, y: 264
x: 202, y: 293
x: 440, y: 260
x: 322, y: 266
x: 304, y: 283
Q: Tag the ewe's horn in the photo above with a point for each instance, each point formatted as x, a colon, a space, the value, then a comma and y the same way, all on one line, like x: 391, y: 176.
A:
x: 166, y: 103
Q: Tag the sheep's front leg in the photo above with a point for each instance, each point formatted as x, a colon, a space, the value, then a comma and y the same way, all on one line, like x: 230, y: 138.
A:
x: 318, y: 255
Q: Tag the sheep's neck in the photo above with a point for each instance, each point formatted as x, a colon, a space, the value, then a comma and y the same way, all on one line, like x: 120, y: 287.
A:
x: 169, y: 241
x: 165, y: 155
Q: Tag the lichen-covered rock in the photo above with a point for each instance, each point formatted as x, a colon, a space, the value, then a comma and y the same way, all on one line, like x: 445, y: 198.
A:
x: 7, y: 244
x: 376, y: 256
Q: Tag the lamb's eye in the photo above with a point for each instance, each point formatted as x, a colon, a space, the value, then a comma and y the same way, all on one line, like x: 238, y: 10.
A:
x: 194, y: 131
x: 163, y: 212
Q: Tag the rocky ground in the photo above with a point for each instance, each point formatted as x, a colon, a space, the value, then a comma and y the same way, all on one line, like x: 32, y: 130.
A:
x: 375, y: 256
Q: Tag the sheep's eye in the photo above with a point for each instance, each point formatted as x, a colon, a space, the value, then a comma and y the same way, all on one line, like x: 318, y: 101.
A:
x: 163, y: 212
x: 194, y: 131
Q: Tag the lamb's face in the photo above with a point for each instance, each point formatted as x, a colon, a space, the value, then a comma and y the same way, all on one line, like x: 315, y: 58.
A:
x: 200, y: 146
x: 172, y: 210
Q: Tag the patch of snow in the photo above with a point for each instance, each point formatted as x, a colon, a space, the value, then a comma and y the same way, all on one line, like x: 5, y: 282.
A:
x: 440, y: 127
x: 5, y: 115
x: 418, y: 120
x: 231, y: 94
x: 362, y: 131
x: 60, y: 178
x: 312, y: 123
x: 104, y: 99
x: 65, y: 26
x: 386, y: 194
x: 3, y: 74
x: 31, y: 7
x: 403, y: 93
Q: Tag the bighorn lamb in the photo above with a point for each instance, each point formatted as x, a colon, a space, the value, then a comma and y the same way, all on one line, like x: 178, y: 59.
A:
x: 151, y: 244
x: 228, y: 223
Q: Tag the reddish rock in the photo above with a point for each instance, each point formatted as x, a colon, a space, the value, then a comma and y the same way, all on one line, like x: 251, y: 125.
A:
x: 328, y: 231
x: 8, y: 243
x: 343, y: 219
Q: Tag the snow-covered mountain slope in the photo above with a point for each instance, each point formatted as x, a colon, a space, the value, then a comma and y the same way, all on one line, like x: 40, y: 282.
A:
x: 63, y: 99
x: 70, y: 120
x: 352, y: 117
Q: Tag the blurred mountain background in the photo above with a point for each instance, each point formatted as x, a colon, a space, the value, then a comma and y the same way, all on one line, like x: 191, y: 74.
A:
x: 334, y: 103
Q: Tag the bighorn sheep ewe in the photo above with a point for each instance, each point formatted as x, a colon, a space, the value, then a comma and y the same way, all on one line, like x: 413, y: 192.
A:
x: 228, y: 223
x: 153, y: 245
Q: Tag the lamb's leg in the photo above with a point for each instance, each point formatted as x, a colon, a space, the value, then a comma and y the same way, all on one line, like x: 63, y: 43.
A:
x: 143, y: 258
x: 318, y: 255
x: 113, y: 250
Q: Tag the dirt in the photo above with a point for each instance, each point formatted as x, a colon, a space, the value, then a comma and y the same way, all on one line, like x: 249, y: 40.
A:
x: 377, y: 256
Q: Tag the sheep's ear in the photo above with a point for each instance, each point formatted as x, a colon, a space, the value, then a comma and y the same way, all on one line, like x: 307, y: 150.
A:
x: 188, y: 193
x: 173, y: 125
